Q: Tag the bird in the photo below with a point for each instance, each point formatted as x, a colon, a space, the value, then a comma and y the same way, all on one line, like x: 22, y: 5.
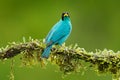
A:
x: 58, y: 34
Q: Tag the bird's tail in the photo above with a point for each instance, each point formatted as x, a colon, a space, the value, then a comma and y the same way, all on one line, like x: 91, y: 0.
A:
x: 46, y: 52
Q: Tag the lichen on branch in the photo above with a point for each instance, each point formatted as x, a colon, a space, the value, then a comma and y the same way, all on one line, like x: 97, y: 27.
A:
x: 68, y: 58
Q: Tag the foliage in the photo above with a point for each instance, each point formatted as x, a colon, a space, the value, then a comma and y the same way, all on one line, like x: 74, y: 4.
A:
x: 68, y: 58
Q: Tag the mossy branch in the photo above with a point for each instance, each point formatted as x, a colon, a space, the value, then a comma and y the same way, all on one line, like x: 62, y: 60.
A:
x: 68, y: 58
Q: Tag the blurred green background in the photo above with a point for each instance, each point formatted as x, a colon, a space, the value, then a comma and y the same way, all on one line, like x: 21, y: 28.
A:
x: 96, y: 25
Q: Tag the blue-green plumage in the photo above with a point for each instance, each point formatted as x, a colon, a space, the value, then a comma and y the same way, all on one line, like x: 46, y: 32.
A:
x: 58, y: 34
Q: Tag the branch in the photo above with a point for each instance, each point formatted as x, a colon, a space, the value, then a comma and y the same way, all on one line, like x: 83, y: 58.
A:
x: 69, y: 59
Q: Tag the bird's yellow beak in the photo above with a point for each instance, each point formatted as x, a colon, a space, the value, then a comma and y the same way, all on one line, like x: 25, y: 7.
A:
x: 66, y: 14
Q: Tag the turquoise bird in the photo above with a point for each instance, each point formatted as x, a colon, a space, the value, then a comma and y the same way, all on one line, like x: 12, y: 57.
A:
x: 58, y: 34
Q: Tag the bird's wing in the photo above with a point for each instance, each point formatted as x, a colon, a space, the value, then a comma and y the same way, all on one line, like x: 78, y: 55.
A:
x: 58, y: 32
x: 52, y: 31
x: 56, y: 37
x: 47, y: 40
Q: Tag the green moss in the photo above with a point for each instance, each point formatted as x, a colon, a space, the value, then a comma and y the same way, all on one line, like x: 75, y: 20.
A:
x: 69, y: 59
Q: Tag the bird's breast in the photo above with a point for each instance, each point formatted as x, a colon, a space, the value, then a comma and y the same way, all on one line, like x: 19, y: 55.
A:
x: 68, y: 26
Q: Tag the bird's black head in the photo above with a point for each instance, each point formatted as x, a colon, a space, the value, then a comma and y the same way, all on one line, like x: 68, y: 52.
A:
x: 65, y: 14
